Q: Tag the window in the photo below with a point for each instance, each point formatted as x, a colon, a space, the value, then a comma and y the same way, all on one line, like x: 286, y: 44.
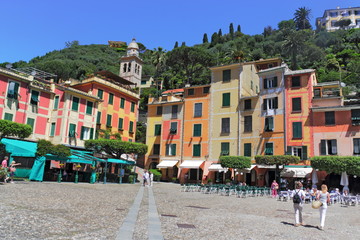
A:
x: 247, y: 123
x: 355, y: 117
x: 89, y: 107
x: 257, y: 89
x: 108, y: 120
x: 297, y: 129
x: 98, y: 118
x: 333, y: 14
x: 328, y: 147
x: 122, y: 103
x: 252, y: 85
x: 334, y: 23
x: 31, y: 122
x: 170, y: 149
x: 198, y: 110
x: 357, y: 12
x: 356, y: 142
x: 206, y: 90
x: 330, y: 118
x: 130, y: 140
x: 34, y: 97
x: 269, y: 124
x: 157, y: 130
x: 270, y: 82
x: 52, y: 130
x: 247, y: 104
x: 132, y: 107
x: 197, y: 130
x: 131, y: 127
x: 85, y: 133
x: 13, y: 90
x: 174, y: 111
x: 8, y: 116
x: 247, y: 149
x: 196, y: 150
x: 121, y: 124
x: 269, y: 149
x: 72, y: 130
x: 225, y: 125
x: 156, y: 149
x: 111, y: 98
x: 100, y: 93
x: 159, y: 110
x: 190, y: 91
x: 56, y: 102
x: 173, y: 128
x: 270, y: 103
x: 295, y: 81
x: 226, y: 99
x: 143, y: 82
x: 226, y: 75
x: 296, y: 104
x: 300, y: 151
x: 357, y: 22
x: 75, y: 104
x: 225, y: 149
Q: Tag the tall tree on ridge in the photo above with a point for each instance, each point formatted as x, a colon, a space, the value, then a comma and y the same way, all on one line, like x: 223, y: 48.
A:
x: 238, y: 28
x: 183, y: 44
x: 302, y: 18
x: 231, y: 30
x: 205, y: 38
x: 176, y: 44
x: 220, y: 33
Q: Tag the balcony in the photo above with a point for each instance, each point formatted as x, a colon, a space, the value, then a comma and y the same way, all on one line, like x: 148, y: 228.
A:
x: 327, y: 92
x: 355, y: 121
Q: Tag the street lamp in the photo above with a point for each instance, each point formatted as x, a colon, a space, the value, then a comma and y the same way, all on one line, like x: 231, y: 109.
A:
x: 106, y: 162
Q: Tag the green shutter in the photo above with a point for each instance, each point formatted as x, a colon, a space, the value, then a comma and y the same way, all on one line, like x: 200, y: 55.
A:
x: 75, y: 104
x: 131, y: 128
x: 226, y: 100
x: 34, y: 97
x: 31, y: 122
x: 52, y: 130
x: 89, y: 107
x: 108, y: 120
x: 82, y: 133
x: 122, y: 103
x: 265, y: 104
x: 226, y: 75
x: 111, y: 98
x: 296, y: 104
x: 157, y: 129
x: 91, y: 133
x: 100, y: 93
x: 98, y: 118
x: 56, y: 102
x: 265, y: 83
x: 297, y: 130
x: 173, y: 149
x: 72, y: 130
x: 225, y: 148
x: 271, y: 123
x: 269, y: 149
x: 197, y: 130
x: 304, y: 153
x: 8, y: 116
x: 288, y: 150
x: 132, y: 107
x: 276, y: 103
x: 121, y: 123
x: 275, y: 82
x: 323, y: 147
x: 16, y: 90
x: 247, y: 149
x: 196, y: 150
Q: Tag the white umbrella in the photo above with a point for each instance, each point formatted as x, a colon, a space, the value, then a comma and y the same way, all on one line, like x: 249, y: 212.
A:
x: 314, y: 177
x: 344, y: 179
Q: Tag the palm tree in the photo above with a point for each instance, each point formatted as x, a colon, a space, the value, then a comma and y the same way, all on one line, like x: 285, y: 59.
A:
x: 293, y: 43
x: 302, y: 18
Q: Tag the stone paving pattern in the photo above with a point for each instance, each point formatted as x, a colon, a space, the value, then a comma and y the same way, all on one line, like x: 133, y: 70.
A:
x: 45, y: 210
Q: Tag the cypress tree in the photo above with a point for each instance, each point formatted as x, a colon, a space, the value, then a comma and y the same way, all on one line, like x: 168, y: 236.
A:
x: 214, y: 39
x: 231, y: 30
x: 220, y: 33
x: 205, y: 38
x: 176, y: 44
x: 238, y: 28
x: 183, y: 44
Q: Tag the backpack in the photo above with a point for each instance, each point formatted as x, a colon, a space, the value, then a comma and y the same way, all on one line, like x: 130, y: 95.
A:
x: 296, y: 198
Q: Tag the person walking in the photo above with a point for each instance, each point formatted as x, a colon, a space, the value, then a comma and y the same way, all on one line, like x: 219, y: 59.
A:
x: 151, y: 178
x: 298, y: 199
x: 274, y: 188
x: 324, y: 197
x: 12, y: 169
x: 4, y: 165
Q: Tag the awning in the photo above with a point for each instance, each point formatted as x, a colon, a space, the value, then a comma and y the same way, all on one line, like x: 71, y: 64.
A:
x: 217, y: 167
x: 296, y: 172
x: 267, y: 166
x: 193, y: 164
x: 120, y: 161
x: 19, y: 148
x: 247, y: 170
x: 167, y: 163
x: 127, y: 157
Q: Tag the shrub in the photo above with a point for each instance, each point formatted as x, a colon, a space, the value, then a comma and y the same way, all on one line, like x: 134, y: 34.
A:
x: 337, y: 164
x: 238, y: 162
x: 157, y: 174
x: 276, y: 159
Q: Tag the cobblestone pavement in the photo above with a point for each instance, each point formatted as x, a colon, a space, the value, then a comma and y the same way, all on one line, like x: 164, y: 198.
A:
x: 86, y: 211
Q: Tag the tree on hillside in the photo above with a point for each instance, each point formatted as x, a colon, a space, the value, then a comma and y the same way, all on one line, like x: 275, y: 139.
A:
x: 220, y: 33
x: 214, y: 39
x: 231, y: 30
x: 302, y: 18
x: 183, y: 44
x: 238, y: 28
x: 293, y: 43
x: 205, y: 38
x: 268, y: 31
x: 9, y: 128
x: 176, y: 44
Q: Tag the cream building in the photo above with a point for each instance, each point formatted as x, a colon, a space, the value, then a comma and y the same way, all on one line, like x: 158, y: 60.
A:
x: 332, y: 16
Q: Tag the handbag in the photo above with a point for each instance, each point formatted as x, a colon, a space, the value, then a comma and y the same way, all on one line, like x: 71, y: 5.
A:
x: 316, y: 204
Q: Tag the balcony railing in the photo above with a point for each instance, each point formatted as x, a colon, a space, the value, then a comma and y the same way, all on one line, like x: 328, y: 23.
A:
x: 326, y: 92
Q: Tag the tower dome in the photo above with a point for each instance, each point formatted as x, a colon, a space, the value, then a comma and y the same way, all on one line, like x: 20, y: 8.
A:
x: 133, y: 49
x: 133, y: 45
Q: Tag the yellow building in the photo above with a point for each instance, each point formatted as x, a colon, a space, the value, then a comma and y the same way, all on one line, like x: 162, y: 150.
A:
x: 332, y: 17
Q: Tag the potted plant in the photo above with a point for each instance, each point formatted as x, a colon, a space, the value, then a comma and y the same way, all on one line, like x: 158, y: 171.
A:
x: 209, y: 181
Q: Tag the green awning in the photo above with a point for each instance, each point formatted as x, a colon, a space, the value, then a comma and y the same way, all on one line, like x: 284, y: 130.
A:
x: 19, y: 148
x: 120, y: 161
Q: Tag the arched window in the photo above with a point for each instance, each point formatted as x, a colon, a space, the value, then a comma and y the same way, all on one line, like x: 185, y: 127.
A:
x: 124, y: 68
x: 129, y: 68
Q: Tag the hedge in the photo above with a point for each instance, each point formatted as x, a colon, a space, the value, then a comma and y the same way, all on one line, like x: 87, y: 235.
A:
x: 237, y: 162
x: 337, y: 164
x: 157, y: 174
x: 46, y: 147
x: 9, y: 128
x: 276, y: 159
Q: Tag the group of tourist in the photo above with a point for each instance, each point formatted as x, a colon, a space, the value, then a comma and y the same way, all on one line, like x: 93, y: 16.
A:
x: 148, y: 178
x: 299, y: 197
x: 10, y: 170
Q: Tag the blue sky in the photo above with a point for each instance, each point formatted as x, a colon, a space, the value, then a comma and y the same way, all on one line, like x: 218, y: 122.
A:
x: 31, y: 28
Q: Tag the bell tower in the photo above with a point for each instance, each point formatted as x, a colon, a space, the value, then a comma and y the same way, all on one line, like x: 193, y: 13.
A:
x: 131, y: 64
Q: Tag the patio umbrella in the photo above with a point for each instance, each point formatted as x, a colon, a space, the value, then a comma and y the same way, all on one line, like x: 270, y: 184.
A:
x: 344, y: 179
x: 314, y: 177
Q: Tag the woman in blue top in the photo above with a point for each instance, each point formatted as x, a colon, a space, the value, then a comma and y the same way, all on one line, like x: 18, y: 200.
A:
x: 324, y: 197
